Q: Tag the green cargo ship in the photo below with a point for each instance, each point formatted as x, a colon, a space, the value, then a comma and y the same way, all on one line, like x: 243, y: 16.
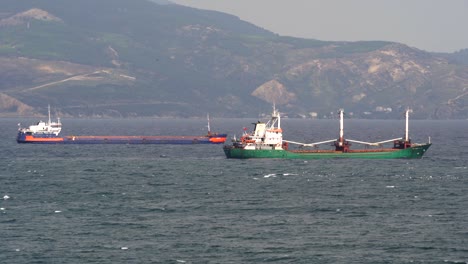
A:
x: 266, y: 141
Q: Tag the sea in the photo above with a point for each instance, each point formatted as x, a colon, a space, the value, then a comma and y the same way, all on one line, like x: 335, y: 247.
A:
x: 189, y: 204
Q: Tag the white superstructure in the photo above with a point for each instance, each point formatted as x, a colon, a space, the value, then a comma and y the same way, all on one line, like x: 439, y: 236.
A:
x: 42, y: 127
x: 265, y: 135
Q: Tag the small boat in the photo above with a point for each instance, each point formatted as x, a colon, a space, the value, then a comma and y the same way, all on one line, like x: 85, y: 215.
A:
x: 266, y: 141
x: 48, y: 133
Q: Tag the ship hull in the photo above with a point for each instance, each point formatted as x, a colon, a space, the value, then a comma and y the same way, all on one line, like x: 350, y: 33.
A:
x: 415, y: 152
x: 42, y: 139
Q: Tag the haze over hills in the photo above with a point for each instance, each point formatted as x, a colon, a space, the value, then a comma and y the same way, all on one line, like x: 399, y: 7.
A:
x: 147, y: 58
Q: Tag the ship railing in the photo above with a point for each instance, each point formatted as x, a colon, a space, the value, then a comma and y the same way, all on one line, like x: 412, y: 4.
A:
x: 387, y: 141
x: 373, y: 143
x: 350, y: 140
x: 309, y: 144
x: 419, y: 144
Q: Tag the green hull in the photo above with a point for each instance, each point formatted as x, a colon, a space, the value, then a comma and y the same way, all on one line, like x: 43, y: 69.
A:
x: 415, y: 152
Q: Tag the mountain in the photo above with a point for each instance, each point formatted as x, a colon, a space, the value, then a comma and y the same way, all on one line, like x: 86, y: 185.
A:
x: 153, y: 58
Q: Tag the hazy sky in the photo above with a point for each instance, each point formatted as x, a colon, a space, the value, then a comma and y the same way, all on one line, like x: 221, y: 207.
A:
x: 432, y: 25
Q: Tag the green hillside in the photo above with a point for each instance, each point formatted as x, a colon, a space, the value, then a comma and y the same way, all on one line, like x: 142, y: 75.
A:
x: 140, y: 58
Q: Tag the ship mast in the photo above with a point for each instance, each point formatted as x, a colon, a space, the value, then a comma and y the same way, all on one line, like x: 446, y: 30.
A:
x: 341, y: 144
x: 208, y: 126
x: 276, y: 113
x: 341, y: 127
x: 275, y: 119
x: 406, y: 129
x: 48, y: 108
